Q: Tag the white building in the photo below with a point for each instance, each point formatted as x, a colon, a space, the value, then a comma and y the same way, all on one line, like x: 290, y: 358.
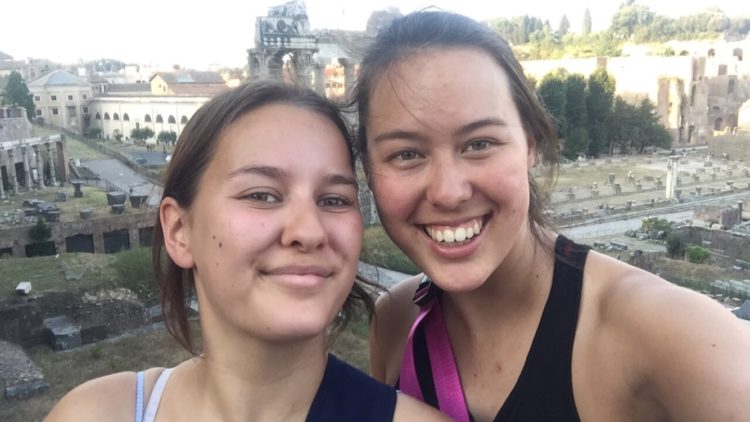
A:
x: 61, y: 99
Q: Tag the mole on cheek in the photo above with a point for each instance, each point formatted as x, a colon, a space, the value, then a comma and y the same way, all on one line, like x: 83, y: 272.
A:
x: 219, y: 244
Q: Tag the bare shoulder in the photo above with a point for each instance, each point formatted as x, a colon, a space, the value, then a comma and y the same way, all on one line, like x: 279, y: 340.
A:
x: 110, y: 397
x: 409, y: 409
x: 684, y: 344
x: 394, y: 313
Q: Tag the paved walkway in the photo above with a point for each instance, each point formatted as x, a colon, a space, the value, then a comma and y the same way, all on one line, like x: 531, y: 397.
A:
x: 121, y: 176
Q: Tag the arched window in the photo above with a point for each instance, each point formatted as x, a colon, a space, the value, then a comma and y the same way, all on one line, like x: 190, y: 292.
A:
x: 159, y: 119
x: 730, y: 88
x: 115, y: 116
x: 125, y: 117
x: 737, y: 53
x: 711, y: 53
x: 718, y: 123
x: 147, y: 119
x: 184, y: 120
x: 106, y: 116
x: 715, y: 108
x: 98, y: 116
x: 171, y: 120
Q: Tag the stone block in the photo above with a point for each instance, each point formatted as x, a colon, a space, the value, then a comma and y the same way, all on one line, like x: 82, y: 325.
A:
x: 61, y: 197
x: 52, y: 216
x: 86, y: 213
x: 26, y: 389
x: 23, y: 288
x: 136, y: 201
x: 61, y: 333
x: 116, y: 198
x: 118, y: 208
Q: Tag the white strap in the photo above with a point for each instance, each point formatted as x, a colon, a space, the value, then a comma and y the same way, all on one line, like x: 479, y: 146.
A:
x: 155, y: 397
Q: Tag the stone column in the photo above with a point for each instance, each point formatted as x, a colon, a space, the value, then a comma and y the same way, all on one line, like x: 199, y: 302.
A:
x: 2, y: 189
x: 320, y: 79
x: 51, y: 159
x: 11, y: 167
x: 39, y: 166
x: 26, y: 166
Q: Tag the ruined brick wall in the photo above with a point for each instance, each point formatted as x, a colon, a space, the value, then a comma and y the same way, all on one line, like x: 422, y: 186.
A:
x: 736, y: 146
x: 15, y: 128
x: 725, y: 246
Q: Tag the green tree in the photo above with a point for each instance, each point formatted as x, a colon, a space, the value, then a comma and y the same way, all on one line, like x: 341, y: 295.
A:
x: 40, y: 231
x: 652, y: 132
x: 600, y: 94
x: 564, y: 26
x: 17, y: 93
x: 586, y: 22
x: 167, y: 137
x: 553, y: 94
x: 675, y: 246
x: 141, y: 134
x: 576, y: 120
x: 697, y: 254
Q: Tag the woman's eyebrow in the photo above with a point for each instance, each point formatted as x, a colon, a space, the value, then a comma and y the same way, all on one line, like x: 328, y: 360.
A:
x: 268, y: 171
x: 341, y: 179
x: 478, y: 124
x: 398, y: 134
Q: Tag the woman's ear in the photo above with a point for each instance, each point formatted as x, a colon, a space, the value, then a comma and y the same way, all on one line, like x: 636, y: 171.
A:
x: 176, y: 232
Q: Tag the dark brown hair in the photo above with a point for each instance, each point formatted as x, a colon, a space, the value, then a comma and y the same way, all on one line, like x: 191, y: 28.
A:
x: 195, y: 149
x: 437, y: 29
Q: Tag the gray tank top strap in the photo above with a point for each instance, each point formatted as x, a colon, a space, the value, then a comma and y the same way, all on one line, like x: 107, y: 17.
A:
x: 139, y: 397
x: 153, y: 400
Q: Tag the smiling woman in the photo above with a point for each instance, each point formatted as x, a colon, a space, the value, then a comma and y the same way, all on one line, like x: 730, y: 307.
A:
x: 260, y: 219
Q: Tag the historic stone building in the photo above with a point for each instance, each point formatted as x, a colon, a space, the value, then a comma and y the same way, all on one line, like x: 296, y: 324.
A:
x: 62, y: 100
x: 26, y: 162
x: 697, y: 93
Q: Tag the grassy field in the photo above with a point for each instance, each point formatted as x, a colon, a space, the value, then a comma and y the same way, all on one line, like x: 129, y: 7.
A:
x: 76, y: 148
x: 47, y: 273
x: 65, y: 370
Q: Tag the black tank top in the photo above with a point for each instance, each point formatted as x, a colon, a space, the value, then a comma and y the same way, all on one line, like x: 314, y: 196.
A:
x: 544, y: 389
x: 347, y: 394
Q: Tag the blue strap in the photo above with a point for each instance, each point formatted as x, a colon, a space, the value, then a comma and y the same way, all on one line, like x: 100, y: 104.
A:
x: 139, y: 397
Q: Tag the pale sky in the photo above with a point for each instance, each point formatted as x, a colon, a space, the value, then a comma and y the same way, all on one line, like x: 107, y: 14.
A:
x: 196, y: 34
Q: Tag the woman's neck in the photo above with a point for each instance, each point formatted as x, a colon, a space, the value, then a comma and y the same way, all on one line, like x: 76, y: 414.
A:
x: 515, y: 291
x: 246, y: 379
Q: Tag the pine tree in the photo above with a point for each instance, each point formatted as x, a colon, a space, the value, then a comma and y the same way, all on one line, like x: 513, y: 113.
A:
x: 17, y: 93
x: 586, y: 30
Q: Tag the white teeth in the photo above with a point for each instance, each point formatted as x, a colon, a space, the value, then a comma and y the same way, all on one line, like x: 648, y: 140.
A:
x: 460, y: 234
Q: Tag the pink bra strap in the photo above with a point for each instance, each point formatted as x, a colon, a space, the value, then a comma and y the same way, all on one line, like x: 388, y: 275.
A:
x: 447, y: 381
x: 443, y: 364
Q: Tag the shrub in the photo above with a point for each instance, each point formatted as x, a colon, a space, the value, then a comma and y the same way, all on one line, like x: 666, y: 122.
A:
x: 697, y: 254
x: 40, y: 231
x: 378, y: 249
x: 135, y: 272
x: 675, y: 246
x: 655, y: 226
x: 92, y: 133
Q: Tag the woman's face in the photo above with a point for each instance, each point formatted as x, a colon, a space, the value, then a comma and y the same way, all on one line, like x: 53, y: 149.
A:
x: 448, y: 164
x: 275, y: 229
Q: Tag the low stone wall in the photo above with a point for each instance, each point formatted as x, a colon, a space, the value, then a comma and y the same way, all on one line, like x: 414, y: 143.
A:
x: 56, y: 318
x: 726, y: 247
